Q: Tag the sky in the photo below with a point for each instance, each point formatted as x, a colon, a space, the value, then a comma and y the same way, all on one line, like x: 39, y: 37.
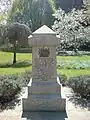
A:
x: 4, y: 4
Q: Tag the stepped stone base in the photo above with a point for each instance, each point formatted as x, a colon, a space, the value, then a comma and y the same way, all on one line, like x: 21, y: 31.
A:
x: 44, y: 97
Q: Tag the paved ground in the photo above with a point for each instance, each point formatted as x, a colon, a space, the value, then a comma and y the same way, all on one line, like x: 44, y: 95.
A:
x: 77, y: 109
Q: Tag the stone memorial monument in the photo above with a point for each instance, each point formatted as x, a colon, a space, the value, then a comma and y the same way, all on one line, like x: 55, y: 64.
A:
x: 44, y: 89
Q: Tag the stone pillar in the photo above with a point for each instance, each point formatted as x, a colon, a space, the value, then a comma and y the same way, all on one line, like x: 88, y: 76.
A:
x: 44, y: 89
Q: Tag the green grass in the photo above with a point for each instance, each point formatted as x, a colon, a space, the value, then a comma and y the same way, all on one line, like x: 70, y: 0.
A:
x: 72, y: 73
x: 24, y: 61
x: 6, y: 66
x: 6, y: 57
x: 81, y: 58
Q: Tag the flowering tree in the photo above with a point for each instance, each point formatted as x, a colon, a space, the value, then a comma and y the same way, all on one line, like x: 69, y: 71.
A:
x: 71, y: 28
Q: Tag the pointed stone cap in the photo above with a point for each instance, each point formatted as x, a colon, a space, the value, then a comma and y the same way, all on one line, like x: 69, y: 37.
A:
x: 44, y: 30
x: 44, y: 36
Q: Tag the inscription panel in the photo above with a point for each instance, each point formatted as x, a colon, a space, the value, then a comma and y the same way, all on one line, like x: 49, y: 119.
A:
x: 43, y: 69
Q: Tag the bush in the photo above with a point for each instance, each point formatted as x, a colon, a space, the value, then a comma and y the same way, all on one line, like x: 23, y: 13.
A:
x: 8, y: 91
x: 80, y: 85
x: 63, y: 79
x: 24, y: 79
x: 11, y: 85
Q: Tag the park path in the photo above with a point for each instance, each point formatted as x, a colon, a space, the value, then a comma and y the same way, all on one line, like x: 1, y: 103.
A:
x: 76, y: 110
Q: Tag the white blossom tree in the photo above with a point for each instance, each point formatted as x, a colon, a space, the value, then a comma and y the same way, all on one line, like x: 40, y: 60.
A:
x: 71, y: 28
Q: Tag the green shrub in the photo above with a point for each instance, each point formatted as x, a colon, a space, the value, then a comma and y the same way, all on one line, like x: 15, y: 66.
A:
x: 80, y: 85
x: 24, y: 79
x: 8, y: 91
x: 63, y: 79
x: 11, y: 85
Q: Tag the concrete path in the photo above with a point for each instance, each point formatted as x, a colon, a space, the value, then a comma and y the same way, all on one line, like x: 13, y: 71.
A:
x: 76, y: 109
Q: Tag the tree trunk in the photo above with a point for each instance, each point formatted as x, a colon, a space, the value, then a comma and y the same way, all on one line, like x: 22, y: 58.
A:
x: 14, y: 54
x: 75, y: 46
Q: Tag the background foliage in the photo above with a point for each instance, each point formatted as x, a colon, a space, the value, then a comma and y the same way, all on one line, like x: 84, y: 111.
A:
x: 33, y: 13
x: 72, y: 28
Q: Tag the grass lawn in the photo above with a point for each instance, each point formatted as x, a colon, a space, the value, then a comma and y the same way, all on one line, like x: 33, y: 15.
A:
x: 22, y: 65
x: 82, y: 58
x: 24, y: 60
x: 72, y: 73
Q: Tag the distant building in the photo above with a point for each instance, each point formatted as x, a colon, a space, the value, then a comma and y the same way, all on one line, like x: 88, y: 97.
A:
x: 67, y: 5
x: 87, y: 2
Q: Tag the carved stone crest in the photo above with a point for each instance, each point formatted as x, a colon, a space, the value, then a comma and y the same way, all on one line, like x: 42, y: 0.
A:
x: 44, y: 52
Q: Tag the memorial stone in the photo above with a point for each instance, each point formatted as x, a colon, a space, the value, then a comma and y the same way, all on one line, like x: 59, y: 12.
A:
x: 44, y: 89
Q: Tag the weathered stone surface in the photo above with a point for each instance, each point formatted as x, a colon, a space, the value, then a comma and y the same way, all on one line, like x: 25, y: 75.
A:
x: 44, y: 36
x: 44, y: 87
x: 44, y: 97
x: 44, y: 90
x: 32, y: 104
x: 44, y: 116
x: 44, y: 69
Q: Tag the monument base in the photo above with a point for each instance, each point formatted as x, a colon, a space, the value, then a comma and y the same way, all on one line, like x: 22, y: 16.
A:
x: 44, y: 98
x: 44, y: 116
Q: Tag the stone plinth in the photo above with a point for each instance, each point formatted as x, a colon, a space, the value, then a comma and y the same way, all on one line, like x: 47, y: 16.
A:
x: 44, y: 97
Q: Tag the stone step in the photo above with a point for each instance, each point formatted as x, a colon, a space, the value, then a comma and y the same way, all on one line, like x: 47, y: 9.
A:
x: 44, y: 96
x: 44, y: 116
x: 42, y: 104
x: 44, y: 83
x: 49, y: 89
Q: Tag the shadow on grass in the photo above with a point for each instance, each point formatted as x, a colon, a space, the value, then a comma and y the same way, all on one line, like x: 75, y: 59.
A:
x: 10, y: 105
x: 16, y: 65
x: 81, y: 102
